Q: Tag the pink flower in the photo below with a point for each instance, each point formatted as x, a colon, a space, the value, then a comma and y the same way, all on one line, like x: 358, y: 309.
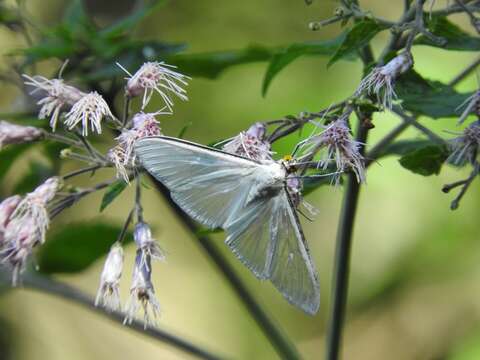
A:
x: 251, y: 144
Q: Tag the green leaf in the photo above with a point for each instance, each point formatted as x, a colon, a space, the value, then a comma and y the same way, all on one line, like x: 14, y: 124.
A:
x: 356, y: 38
x: 184, y: 129
x: 125, y: 24
x: 426, y: 161
x: 9, y: 155
x: 313, y: 183
x: 76, y: 246
x: 203, y: 231
x: 456, y: 38
x: 112, y: 192
x: 211, y: 65
x: 402, y: 147
x: 287, y: 55
x: 427, y: 97
x: 38, y: 172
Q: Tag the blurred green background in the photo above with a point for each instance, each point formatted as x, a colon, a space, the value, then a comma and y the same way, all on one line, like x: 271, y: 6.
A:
x: 414, y: 290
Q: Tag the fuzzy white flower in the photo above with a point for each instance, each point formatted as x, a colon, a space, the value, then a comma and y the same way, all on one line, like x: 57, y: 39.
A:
x: 338, y: 147
x: 108, y: 294
x: 156, y: 77
x: 7, y: 207
x: 89, y: 111
x: 142, y: 294
x: 146, y: 243
x: 58, y: 96
x: 381, y: 80
x: 27, y: 226
x: 17, y: 134
x: 122, y: 155
x: 464, y: 148
x: 251, y: 144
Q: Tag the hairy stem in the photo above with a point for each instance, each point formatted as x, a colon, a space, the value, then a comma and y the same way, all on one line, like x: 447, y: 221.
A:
x: 49, y: 286
x: 342, y: 257
x: 282, y: 345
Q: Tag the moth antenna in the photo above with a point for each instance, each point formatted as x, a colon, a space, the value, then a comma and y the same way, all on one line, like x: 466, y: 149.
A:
x: 62, y: 68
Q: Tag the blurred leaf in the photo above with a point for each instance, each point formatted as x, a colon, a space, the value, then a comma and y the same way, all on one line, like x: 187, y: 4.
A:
x: 206, y: 231
x: 356, y: 38
x: 52, y: 149
x: 426, y: 161
x: 403, y: 147
x: 38, y: 172
x: 427, y: 97
x: 311, y: 184
x: 112, y: 192
x: 8, y: 156
x: 125, y: 24
x: 211, y: 65
x: 287, y: 55
x: 76, y: 246
x: 457, y: 39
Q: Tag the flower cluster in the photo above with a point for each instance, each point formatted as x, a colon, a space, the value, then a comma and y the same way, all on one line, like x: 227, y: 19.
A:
x: 142, y: 294
x: 464, y: 148
x: 338, y: 147
x: 23, y: 225
x: 17, y: 134
x: 381, y: 80
x: 123, y: 155
x: 156, y: 77
x: 251, y: 144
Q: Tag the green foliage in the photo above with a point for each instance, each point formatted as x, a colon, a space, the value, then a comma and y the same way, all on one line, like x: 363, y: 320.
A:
x: 285, y: 56
x: 76, y: 246
x: 9, y: 155
x: 428, y: 97
x: 356, y: 38
x: 402, y: 147
x: 426, y: 160
x: 112, y: 192
x: 456, y: 38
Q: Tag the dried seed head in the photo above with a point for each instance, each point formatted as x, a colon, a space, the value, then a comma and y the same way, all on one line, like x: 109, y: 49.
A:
x: 89, y: 111
x: 251, y: 144
x: 17, y: 134
x: 58, y: 96
x: 142, y: 294
x: 381, y: 80
x: 108, y: 294
x: 339, y: 147
x: 159, y: 77
x: 464, y: 148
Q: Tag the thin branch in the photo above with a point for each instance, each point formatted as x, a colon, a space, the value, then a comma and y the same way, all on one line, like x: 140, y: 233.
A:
x: 50, y: 286
x: 81, y: 171
x: 464, y: 73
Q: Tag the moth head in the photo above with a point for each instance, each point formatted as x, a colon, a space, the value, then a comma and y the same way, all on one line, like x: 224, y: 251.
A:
x: 290, y: 164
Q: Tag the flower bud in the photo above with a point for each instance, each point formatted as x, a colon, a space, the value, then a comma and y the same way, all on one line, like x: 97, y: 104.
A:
x: 108, y: 292
x: 7, y: 207
x: 17, y: 134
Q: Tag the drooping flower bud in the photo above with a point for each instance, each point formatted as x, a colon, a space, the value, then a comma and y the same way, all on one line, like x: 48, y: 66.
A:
x: 251, y: 144
x: 381, y: 80
x: 146, y: 244
x: 58, y: 97
x: 339, y: 147
x: 159, y: 77
x: 17, y: 134
x: 108, y: 294
x: 142, y: 294
x: 89, y: 111
x: 464, y: 148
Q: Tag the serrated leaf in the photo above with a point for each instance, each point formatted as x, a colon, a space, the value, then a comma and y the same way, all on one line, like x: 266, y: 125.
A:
x: 425, y: 161
x: 211, y: 65
x: 285, y: 56
x: 76, y: 246
x: 112, y: 192
x: 427, y: 97
x: 456, y: 38
x: 356, y: 38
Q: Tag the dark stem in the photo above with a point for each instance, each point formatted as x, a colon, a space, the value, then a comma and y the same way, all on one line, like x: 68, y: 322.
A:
x: 464, y: 73
x: 81, y: 171
x: 49, y: 286
x: 282, y: 345
x: 342, y: 257
x: 126, y: 110
x: 466, y: 184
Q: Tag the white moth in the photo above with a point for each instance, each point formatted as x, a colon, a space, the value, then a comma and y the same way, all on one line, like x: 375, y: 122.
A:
x: 249, y: 200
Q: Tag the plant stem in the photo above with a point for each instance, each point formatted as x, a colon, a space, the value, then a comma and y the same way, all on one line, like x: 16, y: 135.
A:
x: 49, y: 286
x: 282, y: 345
x: 342, y: 257
x: 81, y: 171
x: 464, y: 73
